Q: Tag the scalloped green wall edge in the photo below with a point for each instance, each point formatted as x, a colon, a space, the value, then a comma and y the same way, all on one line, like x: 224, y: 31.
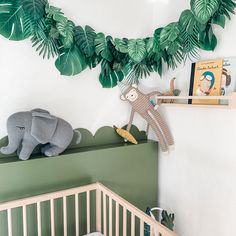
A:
x: 104, y: 136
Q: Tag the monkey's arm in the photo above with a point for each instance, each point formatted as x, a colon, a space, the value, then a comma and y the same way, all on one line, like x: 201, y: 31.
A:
x: 130, y: 119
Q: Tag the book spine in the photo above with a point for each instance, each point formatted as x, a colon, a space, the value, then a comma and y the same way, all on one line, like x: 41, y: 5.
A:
x: 191, y: 82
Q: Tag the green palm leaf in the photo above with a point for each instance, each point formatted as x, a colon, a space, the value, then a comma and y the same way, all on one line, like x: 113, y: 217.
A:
x: 169, y: 34
x: 141, y: 70
x: 71, y: 62
x: 191, y: 45
x: 43, y: 40
x: 84, y: 39
x: 137, y: 50
x: 226, y: 8
x: 203, y: 10
x: 34, y: 8
x: 101, y: 46
x: 12, y: 20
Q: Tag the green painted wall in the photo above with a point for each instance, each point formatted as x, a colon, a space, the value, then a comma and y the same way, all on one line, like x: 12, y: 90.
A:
x: 129, y: 170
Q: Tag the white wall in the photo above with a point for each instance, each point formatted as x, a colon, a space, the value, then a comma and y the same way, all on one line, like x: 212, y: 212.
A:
x: 197, y: 180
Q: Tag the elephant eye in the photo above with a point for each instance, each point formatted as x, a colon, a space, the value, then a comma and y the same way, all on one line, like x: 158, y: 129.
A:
x: 21, y: 127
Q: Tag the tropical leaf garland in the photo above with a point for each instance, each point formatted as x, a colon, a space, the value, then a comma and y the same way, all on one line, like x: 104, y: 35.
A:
x: 53, y: 34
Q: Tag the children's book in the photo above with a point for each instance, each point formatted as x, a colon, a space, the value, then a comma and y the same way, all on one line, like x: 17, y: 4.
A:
x: 206, y: 81
x: 228, y: 84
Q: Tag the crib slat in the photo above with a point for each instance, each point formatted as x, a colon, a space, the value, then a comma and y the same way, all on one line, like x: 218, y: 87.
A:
x: 151, y: 230
x: 65, y: 216
x: 24, y: 220
x: 156, y: 230
x: 141, y: 228
x: 124, y: 222
x: 110, y: 216
x: 52, y: 217
x: 117, y: 219
x: 132, y: 224
x: 88, y: 211
x: 98, y: 210
x: 76, y: 214
x: 39, y: 219
x: 9, y: 222
x: 104, y: 215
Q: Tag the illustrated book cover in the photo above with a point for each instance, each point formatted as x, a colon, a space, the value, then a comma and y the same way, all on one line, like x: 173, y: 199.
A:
x: 206, y: 77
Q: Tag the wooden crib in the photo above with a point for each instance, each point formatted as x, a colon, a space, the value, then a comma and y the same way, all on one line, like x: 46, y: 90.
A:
x: 104, y: 211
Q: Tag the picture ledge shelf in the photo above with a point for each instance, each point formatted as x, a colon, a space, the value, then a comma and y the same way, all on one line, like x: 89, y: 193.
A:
x: 231, y: 101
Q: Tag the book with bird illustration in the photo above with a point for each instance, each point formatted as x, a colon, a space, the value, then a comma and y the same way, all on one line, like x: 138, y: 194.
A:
x: 206, y: 78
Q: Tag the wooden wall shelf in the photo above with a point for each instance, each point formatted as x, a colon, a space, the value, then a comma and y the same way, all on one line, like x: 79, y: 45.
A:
x: 231, y: 101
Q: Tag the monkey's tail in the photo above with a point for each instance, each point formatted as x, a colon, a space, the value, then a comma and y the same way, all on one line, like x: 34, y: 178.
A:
x: 79, y: 136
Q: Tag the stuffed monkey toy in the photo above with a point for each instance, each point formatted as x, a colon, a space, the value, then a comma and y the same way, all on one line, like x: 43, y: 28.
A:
x: 141, y: 104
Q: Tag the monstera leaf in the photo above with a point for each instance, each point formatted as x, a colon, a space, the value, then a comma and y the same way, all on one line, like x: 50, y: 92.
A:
x: 169, y: 34
x: 204, y: 9
x: 12, y: 20
x: 187, y: 21
x: 84, y: 39
x: 34, y: 8
x: 108, y: 77
x: 66, y: 30
x: 137, y: 50
x: 71, y: 62
x: 121, y: 45
x: 55, y: 13
x: 101, y: 47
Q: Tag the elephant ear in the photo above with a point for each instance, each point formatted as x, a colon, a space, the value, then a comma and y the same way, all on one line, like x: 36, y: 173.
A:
x: 43, y: 126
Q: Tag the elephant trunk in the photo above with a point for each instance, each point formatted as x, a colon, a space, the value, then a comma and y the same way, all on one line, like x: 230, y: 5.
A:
x: 13, y: 144
x: 15, y: 135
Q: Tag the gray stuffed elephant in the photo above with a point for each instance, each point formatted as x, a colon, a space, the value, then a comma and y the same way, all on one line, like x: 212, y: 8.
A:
x: 28, y: 129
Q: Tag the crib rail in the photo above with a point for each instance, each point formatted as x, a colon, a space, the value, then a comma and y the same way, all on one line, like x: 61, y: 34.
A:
x: 114, y: 216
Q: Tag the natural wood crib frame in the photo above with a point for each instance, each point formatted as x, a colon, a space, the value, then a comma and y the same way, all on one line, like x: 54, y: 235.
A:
x: 105, y: 200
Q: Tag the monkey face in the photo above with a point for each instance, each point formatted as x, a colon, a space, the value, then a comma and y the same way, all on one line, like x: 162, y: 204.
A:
x: 132, y: 95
